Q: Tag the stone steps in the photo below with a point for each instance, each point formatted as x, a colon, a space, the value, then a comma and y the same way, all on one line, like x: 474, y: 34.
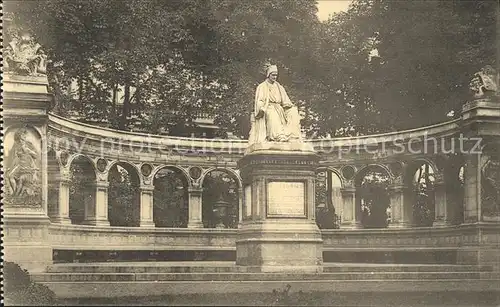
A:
x: 85, y: 277
x: 230, y: 267
x: 144, y: 279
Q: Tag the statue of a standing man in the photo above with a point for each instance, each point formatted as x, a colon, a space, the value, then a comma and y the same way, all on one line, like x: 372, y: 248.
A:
x: 275, y: 117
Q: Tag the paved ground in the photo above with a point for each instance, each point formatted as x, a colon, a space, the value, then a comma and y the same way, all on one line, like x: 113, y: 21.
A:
x: 419, y: 299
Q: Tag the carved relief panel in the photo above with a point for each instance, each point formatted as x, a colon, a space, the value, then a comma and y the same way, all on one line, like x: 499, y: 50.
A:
x: 23, y: 168
x: 490, y: 184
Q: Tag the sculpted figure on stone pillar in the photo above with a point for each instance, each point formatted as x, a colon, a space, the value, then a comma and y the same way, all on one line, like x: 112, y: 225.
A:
x: 491, y: 187
x: 485, y: 82
x: 275, y: 117
x: 24, y: 56
x: 22, y: 170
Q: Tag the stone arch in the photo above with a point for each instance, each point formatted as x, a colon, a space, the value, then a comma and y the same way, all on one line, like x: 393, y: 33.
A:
x: 413, y: 166
x: 82, y: 194
x: 229, y: 171
x: 224, y: 188
x: 128, y: 165
x: 362, y: 171
x: 328, y: 198
x: 372, y: 196
x: 338, y: 174
x: 81, y: 156
x: 419, y: 179
x: 170, y: 196
x: 174, y: 168
x: 124, y: 194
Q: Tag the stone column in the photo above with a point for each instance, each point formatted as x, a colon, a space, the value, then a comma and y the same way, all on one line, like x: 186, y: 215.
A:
x: 401, y: 206
x: 337, y: 201
x: 472, y: 189
x: 195, y: 207
x: 351, y: 214
x: 443, y: 208
x: 61, y: 215
x: 96, y: 208
x: 147, y: 206
x: 240, y: 206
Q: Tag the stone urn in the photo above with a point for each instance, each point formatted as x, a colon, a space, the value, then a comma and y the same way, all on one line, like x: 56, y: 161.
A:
x: 220, y: 212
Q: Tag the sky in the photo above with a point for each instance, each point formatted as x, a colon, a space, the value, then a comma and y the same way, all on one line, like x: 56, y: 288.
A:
x: 327, y: 7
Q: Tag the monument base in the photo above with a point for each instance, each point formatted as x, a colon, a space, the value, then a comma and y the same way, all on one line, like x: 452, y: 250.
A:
x: 280, y: 246
x: 278, y: 232
x: 26, y: 241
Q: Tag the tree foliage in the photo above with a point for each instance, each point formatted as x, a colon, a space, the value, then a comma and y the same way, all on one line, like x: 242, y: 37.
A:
x: 155, y: 65
x: 220, y: 186
x: 123, y: 197
x: 170, y: 199
x: 372, y: 190
x: 427, y: 52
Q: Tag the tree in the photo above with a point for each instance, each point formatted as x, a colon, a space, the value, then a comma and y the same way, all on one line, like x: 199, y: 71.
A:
x: 372, y: 190
x: 167, y: 61
x: 123, y: 199
x: 106, y: 45
x: 187, y: 56
x: 170, y: 199
x: 428, y: 51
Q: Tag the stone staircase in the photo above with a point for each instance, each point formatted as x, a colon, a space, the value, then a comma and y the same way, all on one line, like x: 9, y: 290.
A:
x: 144, y: 279
x: 228, y: 271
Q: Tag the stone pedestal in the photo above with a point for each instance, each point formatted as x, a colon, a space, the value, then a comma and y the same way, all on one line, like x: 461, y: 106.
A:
x: 402, y: 211
x: 25, y: 218
x: 195, y: 208
x: 481, y: 227
x: 278, y: 232
x: 147, y: 197
x: 351, y: 212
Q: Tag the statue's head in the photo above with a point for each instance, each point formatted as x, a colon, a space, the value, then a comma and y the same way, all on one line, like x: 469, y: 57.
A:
x: 488, y: 70
x: 272, y: 73
x: 20, y: 136
x: 25, y: 36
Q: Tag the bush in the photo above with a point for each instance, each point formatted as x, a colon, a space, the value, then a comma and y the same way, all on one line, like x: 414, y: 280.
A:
x: 19, y: 289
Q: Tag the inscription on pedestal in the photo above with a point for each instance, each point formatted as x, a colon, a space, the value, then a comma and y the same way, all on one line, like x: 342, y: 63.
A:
x: 286, y: 199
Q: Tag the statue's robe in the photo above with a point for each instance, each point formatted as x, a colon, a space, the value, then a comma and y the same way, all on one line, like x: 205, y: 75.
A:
x: 275, y: 118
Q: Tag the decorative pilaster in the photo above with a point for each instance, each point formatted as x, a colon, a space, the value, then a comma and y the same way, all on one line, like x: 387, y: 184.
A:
x: 195, y: 207
x: 61, y: 214
x: 443, y: 210
x: 147, y: 206
x: 96, y: 210
x: 240, y: 205
x: 472, y: 189
x: 351, y: 214
x: 402, y: 211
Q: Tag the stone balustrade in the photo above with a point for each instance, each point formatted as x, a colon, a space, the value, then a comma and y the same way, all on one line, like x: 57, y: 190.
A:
x: 83, y: 237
